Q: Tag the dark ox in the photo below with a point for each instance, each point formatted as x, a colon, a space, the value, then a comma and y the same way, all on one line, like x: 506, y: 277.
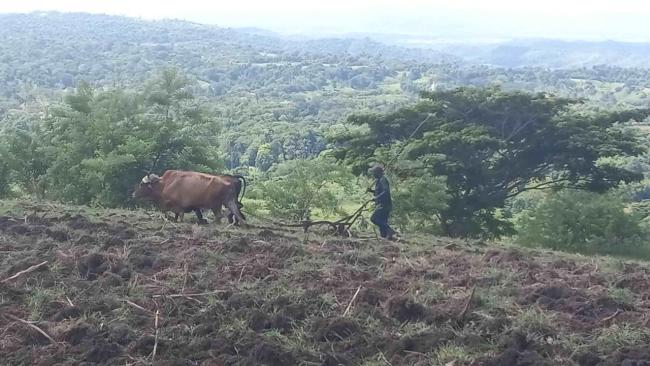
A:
x: 182, y: 191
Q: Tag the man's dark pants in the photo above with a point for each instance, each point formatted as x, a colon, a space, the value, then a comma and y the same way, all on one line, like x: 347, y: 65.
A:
x: 380, y: 218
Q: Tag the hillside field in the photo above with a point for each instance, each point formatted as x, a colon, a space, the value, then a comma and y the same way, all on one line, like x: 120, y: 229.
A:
x: 125, y: 288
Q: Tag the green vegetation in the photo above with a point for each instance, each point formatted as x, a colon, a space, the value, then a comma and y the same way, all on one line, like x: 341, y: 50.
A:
x: 89, y: 103
x: 552, y: 159
x: 417, y: 201
x: 492, y: 146
x: 295, y: 188
x: 586, y: 223
x: 95, y: 145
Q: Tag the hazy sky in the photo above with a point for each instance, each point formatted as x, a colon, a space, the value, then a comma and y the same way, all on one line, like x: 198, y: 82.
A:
x: 586, y: 19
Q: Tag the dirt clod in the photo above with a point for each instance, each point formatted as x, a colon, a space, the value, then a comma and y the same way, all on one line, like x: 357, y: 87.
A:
x: 113, y: 241
x: 588, y: 358
x: 121, y: 334
x: 77, y: 334
x: 144, y: 345
x: 424, y: 342
x: 240, y: 300
x: 19, y: 229
x: 404, y: 308
x: 272, y: 355
x: 92, y: 265
x: 142, y: 261
x: 58, y: 235
x: 67, y: 313
x: 109, y: 279
x: 258, y: 320
x: 336, y: 329
x: 102, y: 352
x: 31, y: 336
x: 370, y: 296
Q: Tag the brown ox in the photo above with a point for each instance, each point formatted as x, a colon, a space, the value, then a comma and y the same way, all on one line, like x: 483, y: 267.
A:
x: 182, y: 191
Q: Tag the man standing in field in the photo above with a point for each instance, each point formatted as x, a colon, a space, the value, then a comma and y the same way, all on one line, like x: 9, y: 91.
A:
x: 383, y: 203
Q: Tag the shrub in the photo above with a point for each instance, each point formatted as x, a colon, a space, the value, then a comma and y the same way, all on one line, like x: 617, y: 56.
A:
x: 296, y: 188
x: 583, y: 222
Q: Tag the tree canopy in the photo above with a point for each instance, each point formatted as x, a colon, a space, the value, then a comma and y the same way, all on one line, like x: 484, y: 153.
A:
x: 492, y: 145
x: 96, y: 144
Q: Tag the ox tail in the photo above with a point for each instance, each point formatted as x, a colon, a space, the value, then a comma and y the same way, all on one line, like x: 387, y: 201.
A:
x: 243, y: 191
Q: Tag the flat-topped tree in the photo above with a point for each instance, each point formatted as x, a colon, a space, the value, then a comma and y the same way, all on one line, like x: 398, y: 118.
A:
x: 492, y: 145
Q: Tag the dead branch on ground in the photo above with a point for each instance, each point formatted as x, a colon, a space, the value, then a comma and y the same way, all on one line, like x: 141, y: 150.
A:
x: 155, y: 344
x: 189, y: 295
x: 468, y: 305
x: 33, y: 326
x: 28, y: 270
x: 352, y: 301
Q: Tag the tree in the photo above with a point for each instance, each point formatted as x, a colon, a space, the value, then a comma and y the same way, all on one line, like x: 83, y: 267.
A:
x: 296, y: 188
x: 101, y: 143
x: 25, y: 159
x: 264, y: 158
x: 492, y: 145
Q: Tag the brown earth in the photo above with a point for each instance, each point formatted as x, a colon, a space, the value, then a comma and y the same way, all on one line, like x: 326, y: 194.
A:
x: 119, y: 284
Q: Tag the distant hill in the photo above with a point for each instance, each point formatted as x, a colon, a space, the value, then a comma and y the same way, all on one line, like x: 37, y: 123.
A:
x: 554, y: 53
x: 53, y: 49
x: 265, y: 88
x: 261, y: 87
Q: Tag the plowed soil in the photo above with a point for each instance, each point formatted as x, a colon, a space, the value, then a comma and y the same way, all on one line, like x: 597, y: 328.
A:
x: 127, y: 288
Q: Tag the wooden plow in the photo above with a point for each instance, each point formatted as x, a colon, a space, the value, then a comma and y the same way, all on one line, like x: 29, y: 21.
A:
x: 341, y: 227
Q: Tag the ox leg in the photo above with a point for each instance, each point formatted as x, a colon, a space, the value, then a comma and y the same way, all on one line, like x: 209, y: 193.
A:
x: 229, y: 215
x: 176, y: 216
x: 234, y: 210
x: 234, y: 220
x: 199, y: 217
x: 217, y: 214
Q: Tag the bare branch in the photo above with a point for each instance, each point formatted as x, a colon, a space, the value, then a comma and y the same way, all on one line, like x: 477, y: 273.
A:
x: 28, y: 270
x: 190, y: 295
x: 468, y: 304
x: 545, y: 185
x: 352, y: 301
x: 155, y: 344
x: 136, y: 305
x: 36, y: 328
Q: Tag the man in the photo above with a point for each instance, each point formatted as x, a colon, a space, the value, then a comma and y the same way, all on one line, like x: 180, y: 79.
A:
x: 383, y: 202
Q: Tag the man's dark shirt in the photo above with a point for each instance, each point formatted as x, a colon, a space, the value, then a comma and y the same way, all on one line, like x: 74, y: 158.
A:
x: 382, y: 192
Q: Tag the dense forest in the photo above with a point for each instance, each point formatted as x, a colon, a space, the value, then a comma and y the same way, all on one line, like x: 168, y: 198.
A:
x: 557, y: 54
x: 88, y: 103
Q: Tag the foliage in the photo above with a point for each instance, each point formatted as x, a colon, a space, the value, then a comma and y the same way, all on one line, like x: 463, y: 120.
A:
x: 4, y: 169
x: 278, y: 99
x: 263, y: 88
x: 295, y: 189
x: 24, y: 158
x: 584, y: 222
x: 418, y: 201
x: 95, y: 145
x: 493, y: 145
